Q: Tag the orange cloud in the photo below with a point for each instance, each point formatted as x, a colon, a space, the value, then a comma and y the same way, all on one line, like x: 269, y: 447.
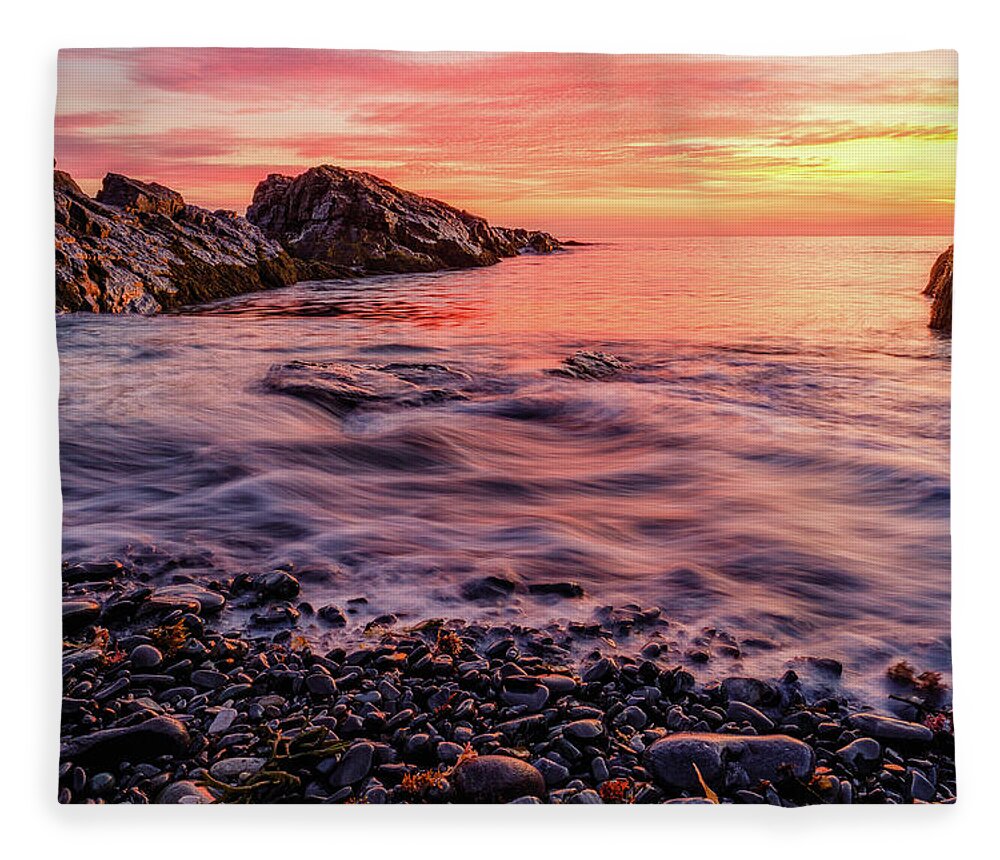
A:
x: 589, y: 142
x: 812, y: 134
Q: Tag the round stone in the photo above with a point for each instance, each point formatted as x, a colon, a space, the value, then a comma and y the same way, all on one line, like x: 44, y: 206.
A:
x: 890, y: 729
x: 78, y: 613
x: 185, y: 791
x: 584, y: 729
x: 277, y: 583
x: 207, y: 601
x: 866, y: 749
x: 145, y: 657
x: 733, y: 761
x: 523, y: 690
x: 558, y: 685
x: 320, y: 684
x: 497, y: 779
x: 354, y: 766
x: 231, y: 769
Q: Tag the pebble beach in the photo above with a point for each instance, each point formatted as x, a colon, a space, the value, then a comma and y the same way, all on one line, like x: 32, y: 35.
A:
x: 164, y: 702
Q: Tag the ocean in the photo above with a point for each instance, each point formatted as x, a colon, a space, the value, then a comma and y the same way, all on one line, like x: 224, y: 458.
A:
x: 771, y: 468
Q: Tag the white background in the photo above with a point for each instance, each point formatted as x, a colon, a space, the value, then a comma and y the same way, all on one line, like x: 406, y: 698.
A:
x: 29, y: 552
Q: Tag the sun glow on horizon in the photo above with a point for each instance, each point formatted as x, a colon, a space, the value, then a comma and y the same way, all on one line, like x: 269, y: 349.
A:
x: 595, y: 144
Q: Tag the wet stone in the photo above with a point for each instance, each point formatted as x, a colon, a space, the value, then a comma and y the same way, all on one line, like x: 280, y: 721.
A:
x: 740, y: 712
x: 584, y: 364
x: 522, y: 726
x: 340, y: 387
x: 488, y: 588
x: 92, y: 571
x: 588, y: 795
x: 231, y: 769
x: 222, y: 721
x: 332, y: 615
x: 101, y: 784
x: 207, y: 679
x: 185, y: 791
x: 417, y: 746
x: 554, y: 773
x: 557, y: 685
x: 599, y: 770
x: 726, y: 761
x: 634, y: 716
x: 921, y: 788
x: 142, y: 742
x: 145, y: 657
x: 497, y: 779
x: 354, y: 765
x: 278, y: 583
x: 276, y: 616
x: 321, y: 685
x: 749, y: 691
x: 890, y: 729
x: 584, y: 729
x: 600, y: 671
x: 448, y: 752
x: 168, y: 607
x: 557, y: 589
x: 863, y: 749
x: 79, y: 613
x: 521, y: 690
x: 204, y: 600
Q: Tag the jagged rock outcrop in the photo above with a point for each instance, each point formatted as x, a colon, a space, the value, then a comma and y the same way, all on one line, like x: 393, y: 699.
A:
x: 939, y: 288
x: 139, y: 196
x: 331, y: 219
x: 589, y: 365
x: 340, y: 388
x: 139, y: 248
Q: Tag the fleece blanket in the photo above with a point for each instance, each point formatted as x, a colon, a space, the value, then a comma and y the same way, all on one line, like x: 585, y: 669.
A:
x: 504, y: 428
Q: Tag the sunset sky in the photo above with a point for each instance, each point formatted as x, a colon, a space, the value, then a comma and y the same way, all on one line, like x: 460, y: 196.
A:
x: 586, y: 145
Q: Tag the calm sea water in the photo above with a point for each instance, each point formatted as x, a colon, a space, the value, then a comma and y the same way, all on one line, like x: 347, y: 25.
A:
x: 774, y: 464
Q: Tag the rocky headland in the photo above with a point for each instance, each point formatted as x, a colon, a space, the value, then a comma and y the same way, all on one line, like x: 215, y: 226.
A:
x: 940, y: 290
x: 139, y: 248
x: 333, y: 220
x: 179, y: 692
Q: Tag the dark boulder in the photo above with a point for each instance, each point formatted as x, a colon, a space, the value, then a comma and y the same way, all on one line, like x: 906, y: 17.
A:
x: 136, y: 196
x: 557, y: 589
x: 92, y: 571
x: 590, y: 365
x: 276, y: 583
x: 139, y: 743
x: 66, y: 184
x: 727, y: 762
x: 185, y: 791
x: 339, y: 387
x: 489, y: 588
x: 750, y: 691
x: 139, y: 248
x: 497, y: 779
x: 890, y: 729
x: 939, y: 288
x: 349, y: 220
x: 79, y: 613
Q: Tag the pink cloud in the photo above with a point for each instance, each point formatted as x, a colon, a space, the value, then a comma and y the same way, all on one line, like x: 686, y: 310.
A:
x: 68, y: 122
x: 495, y: 132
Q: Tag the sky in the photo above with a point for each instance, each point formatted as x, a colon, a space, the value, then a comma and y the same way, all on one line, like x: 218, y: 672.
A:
x: 577, y: 144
